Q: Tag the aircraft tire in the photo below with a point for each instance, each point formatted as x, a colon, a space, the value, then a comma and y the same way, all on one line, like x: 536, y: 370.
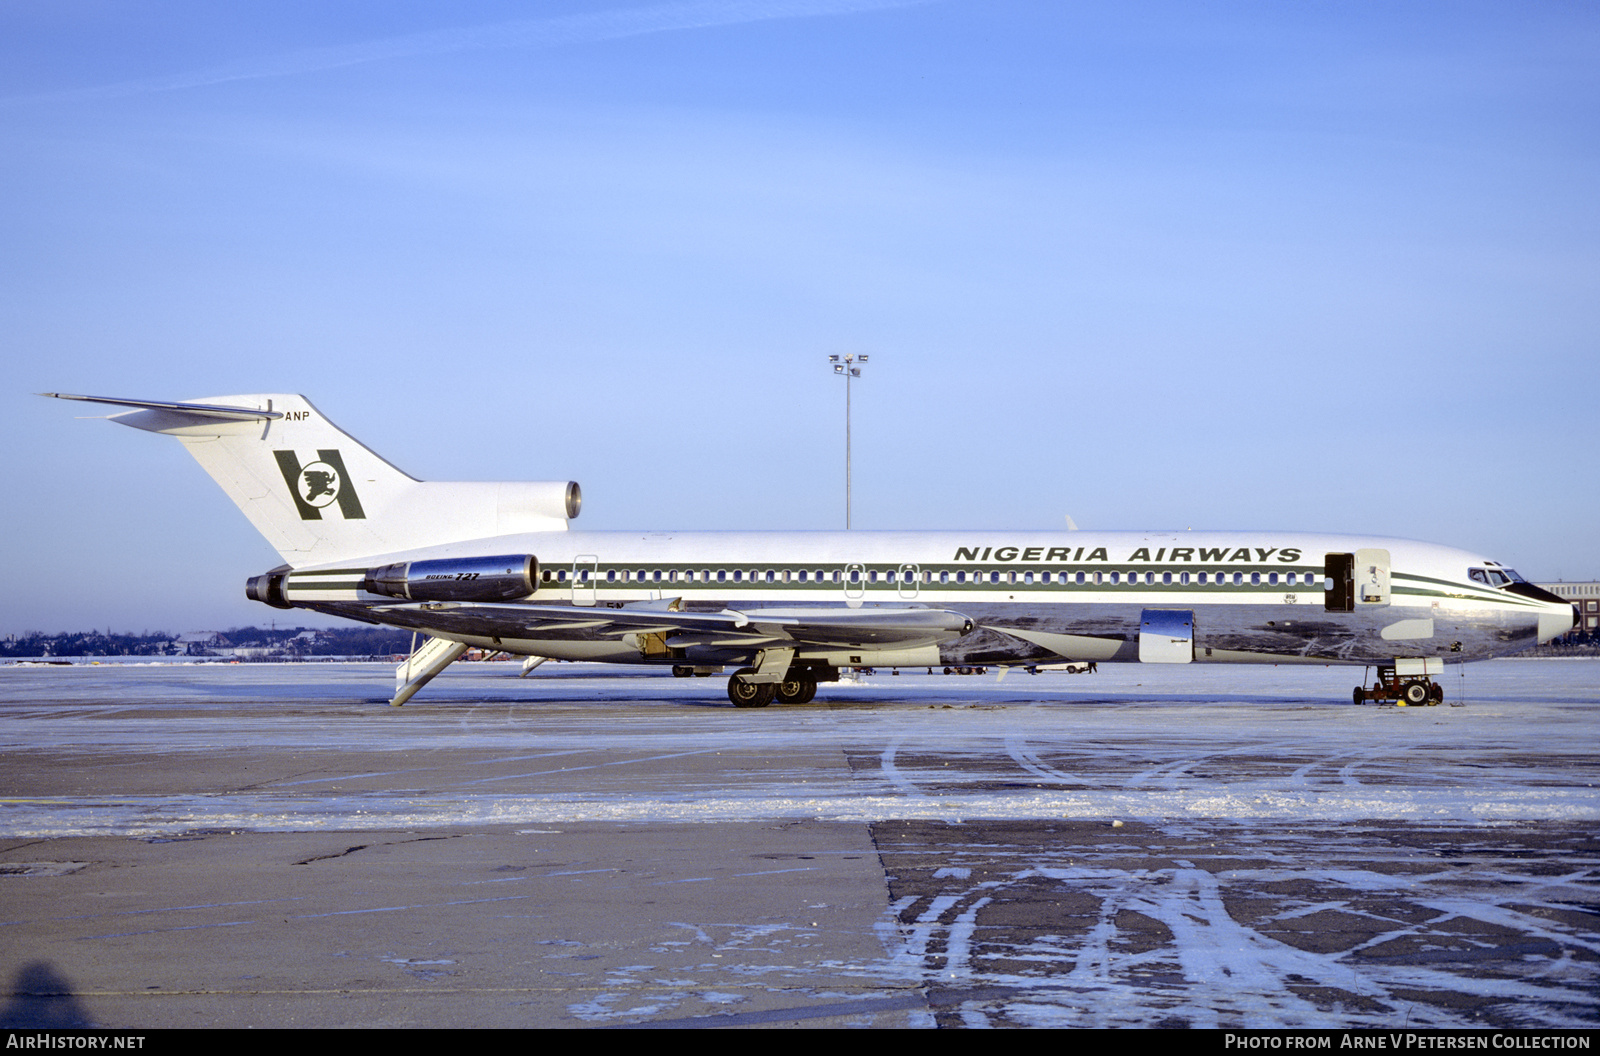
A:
x: 1358, y: 695
x: 750, y: 694
x: 796, y: 691
x: 1413, y: 693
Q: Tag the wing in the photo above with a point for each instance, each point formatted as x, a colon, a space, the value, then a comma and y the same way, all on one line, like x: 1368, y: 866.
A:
x: 836, y: 628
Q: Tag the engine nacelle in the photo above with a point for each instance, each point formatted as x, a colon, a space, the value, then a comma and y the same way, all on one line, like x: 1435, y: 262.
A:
x: 501, y: 578
x: 268, y: 589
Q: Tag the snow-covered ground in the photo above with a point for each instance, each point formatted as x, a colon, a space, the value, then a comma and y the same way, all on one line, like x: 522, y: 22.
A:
x: 1145, y: 742
x: 1231, y: 846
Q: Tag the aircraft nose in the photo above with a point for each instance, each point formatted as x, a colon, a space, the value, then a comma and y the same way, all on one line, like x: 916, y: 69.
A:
x: 1554, y: 622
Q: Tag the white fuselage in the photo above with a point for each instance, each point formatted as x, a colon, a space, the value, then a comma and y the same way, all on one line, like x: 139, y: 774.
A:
x: 1034, y: 597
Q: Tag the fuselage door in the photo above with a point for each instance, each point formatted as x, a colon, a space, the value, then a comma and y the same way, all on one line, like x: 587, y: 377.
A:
x: 1372, y: 577
x: 1340, y: 572
x: 585, y: 572
x: 910, y: 580
x: 1166, y: 636
x: 855, y: 580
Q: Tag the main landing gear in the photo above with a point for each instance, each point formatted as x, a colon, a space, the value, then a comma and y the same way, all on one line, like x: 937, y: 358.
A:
x: 798, y: 686
x: 1407, y: 688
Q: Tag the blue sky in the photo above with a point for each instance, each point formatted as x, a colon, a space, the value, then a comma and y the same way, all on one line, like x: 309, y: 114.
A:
x: 1324, y: 266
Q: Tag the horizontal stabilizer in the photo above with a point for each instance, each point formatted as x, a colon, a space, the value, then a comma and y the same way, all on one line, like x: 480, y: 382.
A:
x: 199, y: 410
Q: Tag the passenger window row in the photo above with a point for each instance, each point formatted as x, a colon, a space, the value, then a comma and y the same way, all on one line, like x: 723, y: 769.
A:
x: 943, y: 577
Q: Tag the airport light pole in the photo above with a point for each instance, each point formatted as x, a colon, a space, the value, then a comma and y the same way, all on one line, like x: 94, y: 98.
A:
x: 847, y: 367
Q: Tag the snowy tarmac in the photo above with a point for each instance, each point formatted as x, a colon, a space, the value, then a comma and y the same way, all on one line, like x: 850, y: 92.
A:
x: 273, y: 845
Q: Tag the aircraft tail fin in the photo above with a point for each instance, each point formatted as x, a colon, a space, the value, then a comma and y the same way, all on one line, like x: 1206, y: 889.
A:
x: 318, y: 495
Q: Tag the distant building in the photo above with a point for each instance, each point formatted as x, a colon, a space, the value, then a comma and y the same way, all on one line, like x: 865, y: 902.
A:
x: 197, y: 643
x: 1585, y: 598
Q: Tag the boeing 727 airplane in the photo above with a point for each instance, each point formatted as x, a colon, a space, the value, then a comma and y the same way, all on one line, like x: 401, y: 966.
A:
x: 495, y: 566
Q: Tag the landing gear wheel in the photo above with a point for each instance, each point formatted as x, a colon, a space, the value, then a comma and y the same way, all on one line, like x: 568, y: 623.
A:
x: 1435, y: 694
x: 1413, y: 693
x: 750, y: 694
x: 796, y: 691
x: 1358, y: 695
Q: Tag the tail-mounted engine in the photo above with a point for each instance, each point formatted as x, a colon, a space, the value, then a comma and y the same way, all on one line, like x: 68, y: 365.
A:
x: 268, y: 588
x: 502, y: 578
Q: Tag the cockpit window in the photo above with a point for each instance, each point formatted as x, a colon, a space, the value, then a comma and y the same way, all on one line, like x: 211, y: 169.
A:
x: 1493, y: 577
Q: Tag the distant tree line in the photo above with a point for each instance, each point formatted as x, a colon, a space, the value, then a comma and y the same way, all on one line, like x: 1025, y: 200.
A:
x: 269, y: 642
x: 90, y: 643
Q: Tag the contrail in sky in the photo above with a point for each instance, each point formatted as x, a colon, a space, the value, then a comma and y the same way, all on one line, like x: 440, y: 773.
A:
x: 518, y: 33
